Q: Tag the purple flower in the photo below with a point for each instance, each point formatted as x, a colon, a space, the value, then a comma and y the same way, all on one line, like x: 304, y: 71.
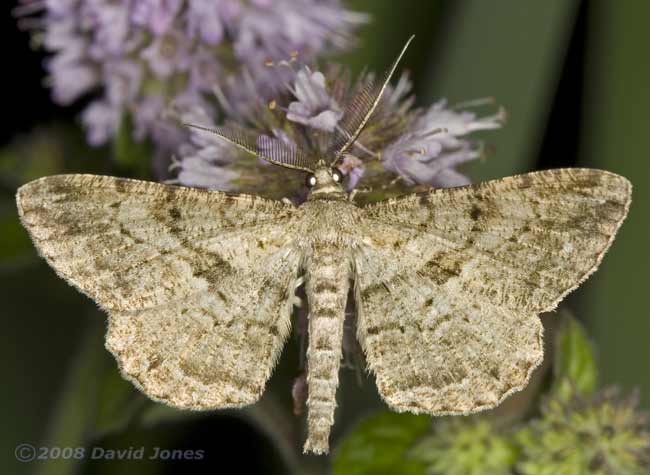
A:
x: 314, y: 107
x: 205, y: 21
x: 143, y: 56
x: 434, y: 145
x: 168, y: 54
x: 110, y: 24
x: 99, y: 118
x: 204, y: 70
x: 156, y: 15
x: 420, y: 146
x: 353, y: 168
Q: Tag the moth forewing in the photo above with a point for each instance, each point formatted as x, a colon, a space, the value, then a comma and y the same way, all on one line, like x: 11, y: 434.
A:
x: 197, y: 284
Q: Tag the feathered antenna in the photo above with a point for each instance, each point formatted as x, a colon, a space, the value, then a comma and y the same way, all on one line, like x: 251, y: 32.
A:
x: 267, y: 148
x: 359, y: 110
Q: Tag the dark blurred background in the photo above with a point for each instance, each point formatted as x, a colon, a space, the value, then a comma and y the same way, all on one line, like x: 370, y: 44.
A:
x: 574, y: 77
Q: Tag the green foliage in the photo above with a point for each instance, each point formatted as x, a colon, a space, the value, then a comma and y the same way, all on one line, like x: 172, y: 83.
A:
x: 594, y: 436
x: 614, y: 136
x: 15, y: 241
x: 74, y: 417
x: 379, y: 446
x: 575, y: 364
x: 466, y: 446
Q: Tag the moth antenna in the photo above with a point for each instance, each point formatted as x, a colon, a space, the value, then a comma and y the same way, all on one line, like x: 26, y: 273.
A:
x: 239, y: 138
x: 360, y: 108
x: 365, y: 149
x: 262, y: 146
x: 275, y: 151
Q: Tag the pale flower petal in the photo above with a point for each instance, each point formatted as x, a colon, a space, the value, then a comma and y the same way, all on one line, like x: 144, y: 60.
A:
x: 315, y: 107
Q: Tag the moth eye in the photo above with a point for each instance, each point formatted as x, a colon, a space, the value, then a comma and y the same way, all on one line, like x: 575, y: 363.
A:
x: 311, y: 181
x: 337, y: 176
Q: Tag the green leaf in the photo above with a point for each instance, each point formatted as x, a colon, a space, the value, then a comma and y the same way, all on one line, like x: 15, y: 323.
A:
x: 15, y: 242
x: 512, y: 51
x: 72, y: 421
x: 391, y: 25
x: 614, y: 131
x: 379, y: 445
x: 575, y: 365
x: 118, y: 403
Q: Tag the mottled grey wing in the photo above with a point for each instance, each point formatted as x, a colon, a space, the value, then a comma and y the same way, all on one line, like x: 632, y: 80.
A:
x: 198, y: 285
x: 450, y: 282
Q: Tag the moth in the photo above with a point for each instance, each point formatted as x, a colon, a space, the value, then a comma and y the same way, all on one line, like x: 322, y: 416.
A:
x: 448, y: 284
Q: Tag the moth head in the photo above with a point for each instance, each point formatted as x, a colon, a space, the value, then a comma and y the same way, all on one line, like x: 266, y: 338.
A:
x: 325, y: 179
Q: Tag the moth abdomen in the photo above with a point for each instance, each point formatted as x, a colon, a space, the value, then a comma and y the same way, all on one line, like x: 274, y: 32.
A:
x: 328, y: 274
